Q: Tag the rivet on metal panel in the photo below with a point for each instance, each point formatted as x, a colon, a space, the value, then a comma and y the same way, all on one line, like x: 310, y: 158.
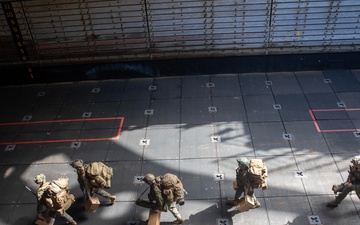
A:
x: 149, y: 112
x: 138, y: 179
x: 299, y: 174
x: 9, y: 148
x: 314, y: 219
x: 215, y: 139
x: 222, y: 221
x: 86, y: 115
x: 144, y: 142
x: 341, y: 104
x: 75, y: 144
x: 277, y: 106
x: 218, y: 177
x: 27, y: 118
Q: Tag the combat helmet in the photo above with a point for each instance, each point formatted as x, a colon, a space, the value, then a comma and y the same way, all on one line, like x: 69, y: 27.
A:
x: 40, y: 178
x: 149, y: 178
x: 356, y: 160
x: 243, y: 161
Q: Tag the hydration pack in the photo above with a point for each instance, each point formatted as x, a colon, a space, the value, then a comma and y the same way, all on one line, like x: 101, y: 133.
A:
x: 172, y: 187
x: 57, y: 196
x: 258, y: 173
x: 99, y: 174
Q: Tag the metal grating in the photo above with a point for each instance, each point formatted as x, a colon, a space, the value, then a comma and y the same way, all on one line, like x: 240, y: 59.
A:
x: 64, y: 31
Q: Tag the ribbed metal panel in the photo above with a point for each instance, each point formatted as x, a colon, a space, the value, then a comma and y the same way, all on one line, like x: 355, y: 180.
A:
x: 314, y: 26
x: 207, y: 28
x: 87, y: 29
x: 68, y: 31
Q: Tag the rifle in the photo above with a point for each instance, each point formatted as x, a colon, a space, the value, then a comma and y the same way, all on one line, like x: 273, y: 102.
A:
x: 143, y: 203
x: 340, y: 187
x: 31, y: 191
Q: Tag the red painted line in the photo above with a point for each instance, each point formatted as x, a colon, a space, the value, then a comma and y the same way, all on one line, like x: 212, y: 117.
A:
x: 327, y: 110
x: 311, y: 112
x: 117, y: 136
x: 314, y: 121
x: 352, y: 109
x: 59, y: 121
x: 119, y: 130
x: 341, y: 130
x: 331, y: 110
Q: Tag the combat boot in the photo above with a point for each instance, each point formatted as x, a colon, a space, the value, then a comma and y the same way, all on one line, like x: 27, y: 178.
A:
x: 178, y: 221
x: 112, y: 199
x: 332, y: 203
x: 257, y: 204
x: 337, y: 188
x: 231, y: 201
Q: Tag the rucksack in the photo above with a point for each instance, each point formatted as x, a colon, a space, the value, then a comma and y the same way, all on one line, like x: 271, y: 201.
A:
x: 258, y: 173
x: 57, y: 196
x: 99, y: 174
x: 172, y: 187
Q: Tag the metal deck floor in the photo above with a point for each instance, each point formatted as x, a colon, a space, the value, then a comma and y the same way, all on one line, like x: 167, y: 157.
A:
x: 303, y: 124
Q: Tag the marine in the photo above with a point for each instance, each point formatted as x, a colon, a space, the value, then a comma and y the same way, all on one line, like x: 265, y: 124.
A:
x: 352, y: 183
x: 89, y: 184
x: 49, y: 194
x: 165, y: 192
x: 247, y: 180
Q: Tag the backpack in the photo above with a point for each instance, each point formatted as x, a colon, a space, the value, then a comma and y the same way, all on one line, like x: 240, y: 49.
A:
x: 99, y: 174
x: 171, y: 187
x: 57, y: 196
x: 258, y: 173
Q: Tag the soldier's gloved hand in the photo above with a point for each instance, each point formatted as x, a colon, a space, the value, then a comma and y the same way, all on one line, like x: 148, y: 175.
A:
x: 348, y: 184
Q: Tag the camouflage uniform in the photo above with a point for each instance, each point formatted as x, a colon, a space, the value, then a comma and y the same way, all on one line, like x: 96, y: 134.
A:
x: 85, y: 184
x: 243, y: 183
x: 352, y: 183
x: 162, y: 202
x: 41, y: 180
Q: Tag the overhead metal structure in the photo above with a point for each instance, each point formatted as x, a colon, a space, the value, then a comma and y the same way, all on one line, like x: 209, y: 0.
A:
x: 58, y: 32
